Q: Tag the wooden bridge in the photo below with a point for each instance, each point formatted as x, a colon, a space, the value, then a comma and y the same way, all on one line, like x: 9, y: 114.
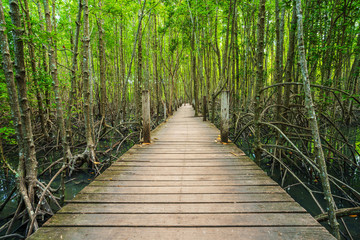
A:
x: 185, y: 185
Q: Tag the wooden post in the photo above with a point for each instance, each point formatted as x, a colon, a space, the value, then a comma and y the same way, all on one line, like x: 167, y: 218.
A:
x: 224, y: 116
x: 204, y: 108
x: 146, y: 115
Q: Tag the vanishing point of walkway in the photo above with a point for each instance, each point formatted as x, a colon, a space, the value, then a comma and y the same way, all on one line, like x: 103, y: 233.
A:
x: 185, y: 185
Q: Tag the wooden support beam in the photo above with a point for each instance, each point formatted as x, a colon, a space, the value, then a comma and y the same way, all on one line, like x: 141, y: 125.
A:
x: 224, y: 116
x: 146, y: 115
x: 204, y: 108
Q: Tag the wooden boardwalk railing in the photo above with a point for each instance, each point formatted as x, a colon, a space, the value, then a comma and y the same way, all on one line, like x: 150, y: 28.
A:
x: 185, y: 185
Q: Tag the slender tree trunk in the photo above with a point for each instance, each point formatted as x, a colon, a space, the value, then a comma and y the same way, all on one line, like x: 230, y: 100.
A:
x: 20, y: 77
x: 232, y: 75
x: 193, y: 73
x: 92, y: 84
x: 102, y: 59
x: 117, y: 93
x: 44, y: 63
x: 353, y: 78
x: 54, y: 76
x: 237, y: 65
x: 27, y: 169
x: 90, y: 146
x: 139, y: 71
x: 319, y: 154
x: 226, y: 46
x: 7, y: 65
x: 278, y: 60
x: 72, y: 92
x: 156, y: 74
x: 278, y: 74
x: 194, y: 77
x: 290, y: 55
x: 122, y: 72
x: 259, y: 78
x: 34, y: 71
x: 171, y: 75
x: 223, y: 77
x: 200, y: 67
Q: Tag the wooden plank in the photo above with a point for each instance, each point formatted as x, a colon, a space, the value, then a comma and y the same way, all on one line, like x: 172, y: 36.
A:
x: 187, y: 166
x: 187, y: 140
x: 182, y: 155
x: 193, y: 148
x: 190, y: 139
x: 184, y: 147
x: 179, y: 159
x: 185, y: 132
x: 272, y: 207
x: 183, y: 220
x: 182, y: 198
x: 198, y: 233
x: 182, y: 164
x: 115, y: 176
x: 185, y: 169
x: 179, y: 151
x: 183, y: 189
x: 144, y: 183
x: 181, y: 143
x: 188, y: 173
x: 188, y: 170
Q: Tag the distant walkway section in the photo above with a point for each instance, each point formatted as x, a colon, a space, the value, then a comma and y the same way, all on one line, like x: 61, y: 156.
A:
x: 184, y: 185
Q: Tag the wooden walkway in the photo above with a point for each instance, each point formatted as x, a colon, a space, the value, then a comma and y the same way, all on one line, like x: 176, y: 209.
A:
x: 185, y: 185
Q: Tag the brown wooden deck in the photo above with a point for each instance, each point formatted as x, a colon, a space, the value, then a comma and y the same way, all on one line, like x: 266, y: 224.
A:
x: 185, y: 185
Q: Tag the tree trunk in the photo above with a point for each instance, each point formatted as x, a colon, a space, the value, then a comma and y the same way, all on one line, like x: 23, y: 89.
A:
x: 44, y: 63
x: 72, y: 92
x: 27, y: 169
x: 139, y: 71
x: 34, y: 71
x: 90, y: 148
x: 259, y: 79
x: 193, y: 73
x: 54, y: 76
x: 122, y: 72
x: 156, y: 74
x: 102, y: 59
x: 223, y: 80
x: 278, y: 60
x: 7, y: 65
x: 353, y: 79
x: 319, y: 154
x: 290, y: 55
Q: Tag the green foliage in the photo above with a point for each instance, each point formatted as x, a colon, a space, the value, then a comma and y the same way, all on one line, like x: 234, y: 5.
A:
x: 7, y: 133
x: 44, y: 80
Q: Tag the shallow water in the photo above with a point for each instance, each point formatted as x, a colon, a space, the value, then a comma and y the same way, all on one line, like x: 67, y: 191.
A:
x: 74, y: 184
x: 301, y: 195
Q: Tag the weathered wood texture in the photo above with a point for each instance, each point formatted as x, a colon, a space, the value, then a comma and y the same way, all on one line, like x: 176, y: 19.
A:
x: 185, y: 185
x: 146, y: 115
x: 224, y: 116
